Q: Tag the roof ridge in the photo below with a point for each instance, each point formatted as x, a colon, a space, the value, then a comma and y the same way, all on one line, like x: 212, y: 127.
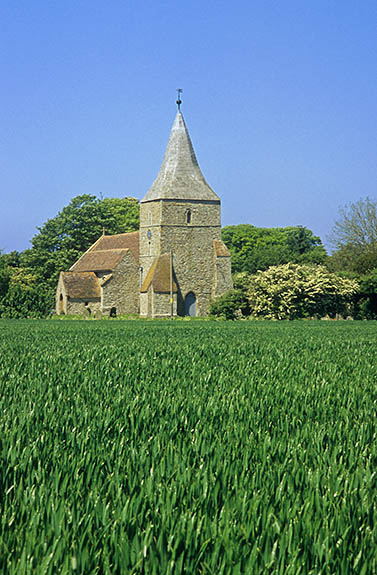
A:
x: 112, y: 250
x: 120, y: 234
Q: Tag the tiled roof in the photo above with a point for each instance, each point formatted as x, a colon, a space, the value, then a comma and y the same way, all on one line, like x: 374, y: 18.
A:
x: 118, y: 242
x: 220, y: 249
x: 99, y: 260
x: 81, y: 285
x: 159, y: 276
x: 180, y: 176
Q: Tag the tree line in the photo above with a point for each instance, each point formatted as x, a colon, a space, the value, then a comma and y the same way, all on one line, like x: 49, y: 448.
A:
x: 285, y: 273
x: 278, y: 273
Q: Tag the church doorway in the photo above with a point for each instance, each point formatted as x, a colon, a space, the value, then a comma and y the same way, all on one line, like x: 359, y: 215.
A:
x: 190, y: 304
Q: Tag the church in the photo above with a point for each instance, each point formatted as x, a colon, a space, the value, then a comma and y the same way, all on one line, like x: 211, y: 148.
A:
x: 174, y: 265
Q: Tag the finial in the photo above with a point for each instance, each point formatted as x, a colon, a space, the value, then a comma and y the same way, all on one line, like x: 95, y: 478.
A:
x: 179, y: 101
x: 103, y: 231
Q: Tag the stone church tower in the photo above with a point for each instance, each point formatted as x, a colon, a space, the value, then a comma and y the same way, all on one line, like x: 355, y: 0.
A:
x: 183, y: 262
x: 175, y: 265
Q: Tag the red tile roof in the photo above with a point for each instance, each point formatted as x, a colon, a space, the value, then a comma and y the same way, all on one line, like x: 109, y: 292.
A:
x: 81, y: 285
x: 159, y: 276
x: 99, y: 260
x: 118, y: 242
x: 220, y: 249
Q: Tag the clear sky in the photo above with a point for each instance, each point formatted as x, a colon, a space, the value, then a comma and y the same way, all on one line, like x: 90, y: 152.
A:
x: 279, y: 98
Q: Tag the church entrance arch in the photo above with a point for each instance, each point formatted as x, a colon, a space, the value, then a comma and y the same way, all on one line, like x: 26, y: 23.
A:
x: 190, y: 304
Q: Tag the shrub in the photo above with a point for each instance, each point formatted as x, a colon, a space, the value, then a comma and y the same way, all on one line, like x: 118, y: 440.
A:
x: 228, y: 305
x: 293, y: 291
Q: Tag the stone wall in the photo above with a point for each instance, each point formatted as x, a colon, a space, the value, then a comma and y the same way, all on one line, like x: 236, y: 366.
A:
x: 60, y: 298
x: 191, y: 243
x: 174, y: 213
x: 223, y: 275
x: 145, y: 304
x: 150, y: 217
x: 161, y: 304
x: 155, y: 304
x: 121, y: 291
x: 78, y: 307
x: 192, y: 246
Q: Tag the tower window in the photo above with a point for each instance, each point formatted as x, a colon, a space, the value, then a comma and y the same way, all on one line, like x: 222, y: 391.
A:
x: 188, y: 217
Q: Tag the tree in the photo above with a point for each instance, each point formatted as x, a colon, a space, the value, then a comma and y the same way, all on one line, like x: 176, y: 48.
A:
x: 354, y: 237
x: 24, y: 297
x: 293, y: 291
x: 7, y: 263
x: 4, y: 276
x: 367, y: 300
x: 357, y: 225
x: 256, y: 249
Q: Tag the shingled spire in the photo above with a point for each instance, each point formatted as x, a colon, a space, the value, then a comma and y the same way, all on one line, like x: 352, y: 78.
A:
x: 180, y: 177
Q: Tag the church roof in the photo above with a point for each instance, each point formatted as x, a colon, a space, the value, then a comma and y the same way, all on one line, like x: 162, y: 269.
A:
x: 81, y: 285
x: 220, y: 249
x: 180, y: 177
x: 159, y: 276
x: 99, y: 260
x: 129, y: 240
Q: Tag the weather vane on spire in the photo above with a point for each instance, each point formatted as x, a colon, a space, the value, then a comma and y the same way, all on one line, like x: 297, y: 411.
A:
x: 179, y: 101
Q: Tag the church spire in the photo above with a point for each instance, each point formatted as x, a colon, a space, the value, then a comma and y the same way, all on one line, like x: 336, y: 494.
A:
x: 180, y: 176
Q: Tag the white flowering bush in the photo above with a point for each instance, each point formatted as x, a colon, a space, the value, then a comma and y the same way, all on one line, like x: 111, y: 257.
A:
x: 293, y: 291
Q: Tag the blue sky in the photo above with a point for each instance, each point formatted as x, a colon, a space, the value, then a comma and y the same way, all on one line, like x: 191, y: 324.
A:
x: 279, y: 98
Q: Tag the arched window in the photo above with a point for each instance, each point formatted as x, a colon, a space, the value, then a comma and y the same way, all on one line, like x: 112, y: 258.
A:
x: 113, y: 312
x: 188, y: 217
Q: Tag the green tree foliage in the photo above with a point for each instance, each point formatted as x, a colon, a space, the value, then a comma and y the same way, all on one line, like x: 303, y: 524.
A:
x: 256, y: 249
x: 23, y: 297
x: 8, y: 263
x: 293, y: 291
x: 354, y: 237
x: 19, y: 302
x: 4, y: 276
x: 228, y: 305
x: 234, y: 303
x: 367, y: 302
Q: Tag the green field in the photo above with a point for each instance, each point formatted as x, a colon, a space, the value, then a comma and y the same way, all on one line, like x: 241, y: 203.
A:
x: 188, y: 447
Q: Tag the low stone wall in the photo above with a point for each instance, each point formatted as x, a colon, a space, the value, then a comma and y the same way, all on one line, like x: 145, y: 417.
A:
x: 161, y: 304
x: 78, y: 307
